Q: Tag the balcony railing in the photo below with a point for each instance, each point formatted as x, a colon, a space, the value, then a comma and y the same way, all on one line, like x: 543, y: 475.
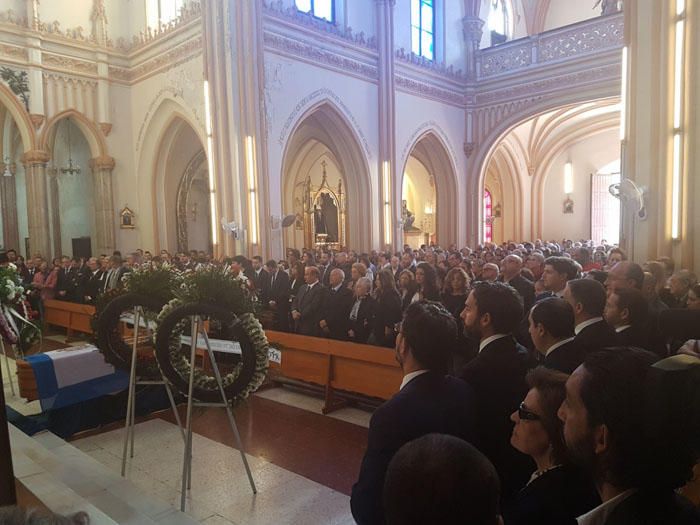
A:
x: 576, y: 40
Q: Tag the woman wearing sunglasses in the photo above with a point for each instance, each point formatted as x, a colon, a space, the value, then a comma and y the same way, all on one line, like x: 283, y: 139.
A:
x: 557, y: 491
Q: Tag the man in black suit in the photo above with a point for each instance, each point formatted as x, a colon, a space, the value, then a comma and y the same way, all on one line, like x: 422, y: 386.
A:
x: 66, y: 281
x: 621, y: 427
x: 309, y: 304
x: 628, y: 313
x: 551, y: 323
x: 113, y: 277
x: 427, y: 402
x: 278, y: 295
x: 557, y: 272
x: 491, y: 314
x: 336, y: 315
x: 91, y: 282
x: 512, y: 266
x: 261, y: 279
x: 587, y: 298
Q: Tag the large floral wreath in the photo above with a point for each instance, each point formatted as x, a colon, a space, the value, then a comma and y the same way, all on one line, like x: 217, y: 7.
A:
x: 148, y: 288
x: 17, y: 325
x: 223, y: 301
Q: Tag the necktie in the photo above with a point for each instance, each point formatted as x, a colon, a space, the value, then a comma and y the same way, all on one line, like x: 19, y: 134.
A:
x: 355, y: 310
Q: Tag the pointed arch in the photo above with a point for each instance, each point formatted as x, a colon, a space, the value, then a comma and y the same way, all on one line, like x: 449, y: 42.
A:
x: 20, y: 116
x: 431, y: 149
x: 324, y: 128
x: 93, y: 135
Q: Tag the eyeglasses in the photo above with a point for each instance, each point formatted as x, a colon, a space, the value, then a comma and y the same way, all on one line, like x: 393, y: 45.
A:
x: 524, y: 413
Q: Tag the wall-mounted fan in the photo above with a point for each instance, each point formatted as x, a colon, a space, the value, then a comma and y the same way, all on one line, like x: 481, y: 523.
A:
x: 631, y: 196
x: 232, y: 227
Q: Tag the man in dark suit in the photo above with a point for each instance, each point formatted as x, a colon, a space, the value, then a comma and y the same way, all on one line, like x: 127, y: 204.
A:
x: 261, y: 279
x: 512, y: 266
x: 309, y: 304
x: 557, y: 272
x: 629, y: 439
x: 491, y: 314
x: 278, y: 295
x: 91, y: 282
x: 113, y: 277
x: 336, y: 315
x: 551, y: 323
x: 627, y: 312
x: 66, y: 281
x: 587, y: 298
x: 427, y: 402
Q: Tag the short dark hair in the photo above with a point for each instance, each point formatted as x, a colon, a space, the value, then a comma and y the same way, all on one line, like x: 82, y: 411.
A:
x: 430, y: 331
x: 551, y: 387
x: 556, y: 315
x: 271, y: 263
x: 440, y: 479
x: 598, y: 275
x: 635, y: 273
x: 636, y: 304
x: 614, y: 391
x: 563, y: 265
x: 502, y: 302
x: 591, y: 294
x: 257, y: 258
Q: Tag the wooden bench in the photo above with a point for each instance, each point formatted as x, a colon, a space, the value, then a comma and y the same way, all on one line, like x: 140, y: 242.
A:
x: 73, y: 317
x: 336, y: 366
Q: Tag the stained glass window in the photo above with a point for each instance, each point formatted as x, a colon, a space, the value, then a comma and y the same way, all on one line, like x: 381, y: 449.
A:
x: 162, y: 11
x: 423, y: 28
x: 488, y: 210
x: 318, y: 8
x: 498, y: 21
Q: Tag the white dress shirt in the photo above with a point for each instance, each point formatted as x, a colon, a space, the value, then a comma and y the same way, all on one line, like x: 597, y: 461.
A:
x: 483, y: 344
x: 600, y: 514
x: 623, y: 328
x: 557, y: 345
x: 408, y: 377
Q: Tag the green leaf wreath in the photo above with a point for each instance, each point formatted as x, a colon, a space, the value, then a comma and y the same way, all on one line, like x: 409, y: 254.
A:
x: 17, y: 319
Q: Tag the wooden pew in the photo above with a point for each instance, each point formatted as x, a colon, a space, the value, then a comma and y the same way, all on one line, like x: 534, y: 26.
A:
x: 73, y: 317
x: 337, y: 366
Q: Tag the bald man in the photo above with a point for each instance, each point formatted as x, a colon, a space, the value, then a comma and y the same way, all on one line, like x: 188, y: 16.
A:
x: 625, y: 275
x: 512, y: 266
x: 489, y: 272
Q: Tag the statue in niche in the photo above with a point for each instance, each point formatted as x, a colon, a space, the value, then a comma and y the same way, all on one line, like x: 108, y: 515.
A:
x: 326, y: 217
x: 408, y: 217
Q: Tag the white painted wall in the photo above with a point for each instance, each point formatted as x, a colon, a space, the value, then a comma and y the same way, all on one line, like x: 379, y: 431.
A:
x: 588, y: 157
x: 564, y: 12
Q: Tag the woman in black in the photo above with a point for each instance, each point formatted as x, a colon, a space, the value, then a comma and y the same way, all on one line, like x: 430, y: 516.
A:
x: 427, y: 282
x: 557, y: 492
x: 387, y: 310
x: 361, y: 318
x: 455, y: 291
x: 408, y: 289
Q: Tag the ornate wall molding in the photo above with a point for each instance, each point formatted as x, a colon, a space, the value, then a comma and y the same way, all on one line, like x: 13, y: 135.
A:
x: 14, y: 52
x: 314, y: 99
x: 311, y: 53
x: 430, y: 91
x: 436, y: 67
x: 73, y: 65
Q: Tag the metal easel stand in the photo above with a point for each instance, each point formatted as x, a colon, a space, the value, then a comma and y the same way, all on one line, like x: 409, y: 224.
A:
x: 187, y: 460
x: 133, y: 383
x: 7, y: 366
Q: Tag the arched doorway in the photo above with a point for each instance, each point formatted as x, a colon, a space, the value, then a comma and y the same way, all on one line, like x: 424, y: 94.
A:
x: 181, y: 192
x: 430, y: 192
x: 13, y: 197
x: 326, y: 183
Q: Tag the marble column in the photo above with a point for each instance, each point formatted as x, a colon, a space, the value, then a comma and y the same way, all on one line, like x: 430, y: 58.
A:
x: 8, y: 203
x: 104, y: 205
x: 387, y: 119
x: 52, y: 174
x: 38, y: 219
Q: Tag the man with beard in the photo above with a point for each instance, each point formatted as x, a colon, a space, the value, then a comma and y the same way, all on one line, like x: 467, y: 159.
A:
x: 491, y: 315
x: 612, y: 430
x: 428, y: 402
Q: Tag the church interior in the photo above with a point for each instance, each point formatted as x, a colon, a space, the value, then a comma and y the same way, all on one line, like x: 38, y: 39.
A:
x: 185, y: 155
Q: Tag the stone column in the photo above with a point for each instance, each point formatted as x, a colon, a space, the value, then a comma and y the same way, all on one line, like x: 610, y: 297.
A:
x: 387, y: 118
x: 8, y: 203
x: 52, y: 174
x: 38, y: 219
x: 104, y: 206
x: 473, y: 28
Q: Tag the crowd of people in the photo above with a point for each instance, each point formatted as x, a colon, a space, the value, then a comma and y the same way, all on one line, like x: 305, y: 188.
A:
x: 543, y: 382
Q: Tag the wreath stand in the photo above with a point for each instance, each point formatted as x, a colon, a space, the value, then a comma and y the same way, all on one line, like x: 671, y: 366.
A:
x: 133, y: 383
x: 7, y: 366
x: 196, y: 321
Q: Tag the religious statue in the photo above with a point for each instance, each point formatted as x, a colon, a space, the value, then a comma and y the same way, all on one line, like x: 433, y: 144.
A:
x: 407, y: 216
x: 326, y: 217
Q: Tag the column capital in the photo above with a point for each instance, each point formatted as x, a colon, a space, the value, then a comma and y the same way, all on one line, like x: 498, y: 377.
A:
x: 391, y: 3
x: 104, y: 162
x: 473, y: 28
x: 34, y: 157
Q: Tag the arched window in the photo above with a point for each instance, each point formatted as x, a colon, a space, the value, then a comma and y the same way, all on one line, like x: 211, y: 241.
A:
x: 162, y: 11
x: 423, y: 28
x: 488, y: 211
x: 605, y: 209
x: 318, y: 8
x: 499, y: 21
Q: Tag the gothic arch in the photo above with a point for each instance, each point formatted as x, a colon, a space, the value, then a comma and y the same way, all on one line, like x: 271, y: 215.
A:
x: 324, y: 127
x: 20, y: 116
x: 92, y: 134
x: 430, y: 149
x: 160, y: 131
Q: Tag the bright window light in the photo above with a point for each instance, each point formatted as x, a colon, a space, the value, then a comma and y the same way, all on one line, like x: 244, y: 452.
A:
x: 623, y: 98
x: 568, y: 178
x: 386, y: 180
x: 678, y: 74
x: 605, y: 208
x: 318, y: 8
x: 676, y: 188
x: 423, y: 28
x: 252, y: 189
x: 210, y: 164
